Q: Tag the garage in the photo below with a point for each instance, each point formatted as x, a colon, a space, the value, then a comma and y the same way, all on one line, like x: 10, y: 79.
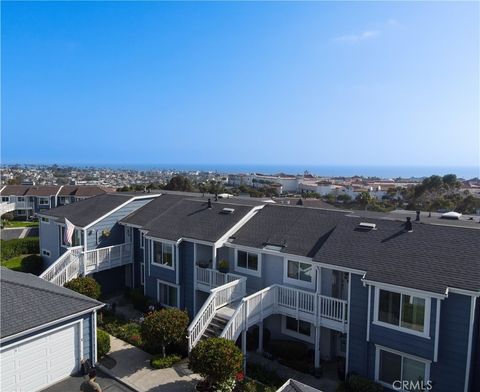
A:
x: 41, y: 361
x: 46, y: 332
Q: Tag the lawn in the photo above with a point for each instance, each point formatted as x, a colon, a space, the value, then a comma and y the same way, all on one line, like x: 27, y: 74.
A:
x: 13, y: 224
x: 15, y: 263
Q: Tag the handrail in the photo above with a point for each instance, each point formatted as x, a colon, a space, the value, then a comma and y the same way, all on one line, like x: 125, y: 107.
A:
x: 61, y: 262
x: 213, y: 278
x: 219, y: 296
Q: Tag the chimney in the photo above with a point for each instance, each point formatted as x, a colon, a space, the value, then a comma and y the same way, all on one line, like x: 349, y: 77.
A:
x: 408, y: 225
x: 417, y: 219
x: 209, y: 203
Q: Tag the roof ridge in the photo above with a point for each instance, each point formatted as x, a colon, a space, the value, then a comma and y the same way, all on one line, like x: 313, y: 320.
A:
x: 78, y: 296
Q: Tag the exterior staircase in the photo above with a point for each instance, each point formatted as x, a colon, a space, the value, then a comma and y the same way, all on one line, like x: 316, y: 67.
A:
x: 76, y: 262
x: 216, y: 327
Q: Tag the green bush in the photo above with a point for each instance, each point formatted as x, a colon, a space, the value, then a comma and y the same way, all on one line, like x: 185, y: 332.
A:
x: 32, y: 264
x: 217, y: 360
x: 85, y: 285
x: 103, y: 343
x: 356, y: 383
x: 288, y: 349
x: 19, y: 246
x: 264, y: 375
x: 138, y: 299
x: 164, y: 327
x: 158, y: 362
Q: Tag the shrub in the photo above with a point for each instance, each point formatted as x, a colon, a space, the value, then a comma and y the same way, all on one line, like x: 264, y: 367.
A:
x: 32, y: 264
x: 356, y: 383
x: 139, y: 300
x: 103, y: 343
x: 8, y: 216
x: 288, y: 349
x: 264, y: 375
x: 159, y: 362
x: 84, y: 285
x: 19, y: 246
x: 217, y: 360
x: 164, y: 327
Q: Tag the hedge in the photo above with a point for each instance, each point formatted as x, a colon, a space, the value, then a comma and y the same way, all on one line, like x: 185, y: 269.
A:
x: 103, y: 343
x: 356, y: 383
x: 84, y: 285
x: 32, y: 264
x: 19, y: 246
x: 158, y: 362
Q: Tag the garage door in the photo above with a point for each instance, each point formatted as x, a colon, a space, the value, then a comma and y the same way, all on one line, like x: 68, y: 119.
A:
x: 41, y: 361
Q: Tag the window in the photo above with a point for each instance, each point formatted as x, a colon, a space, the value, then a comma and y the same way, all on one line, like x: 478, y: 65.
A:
x: 45, y: 252
x: 77, y: 238
x: 297, y: 328
x: 142, y: 240
x: 45, y: 220
x: 44, y: 201
x: 163, y: 255
x: 22, y: 212
x: 401, y: 371
x: 248, y: 263
x: 167, y: 294
x: 402, y: 310
x: 20, y: 198
x: 5, y: 199
x: 299, y: 273
x: 142, y: 274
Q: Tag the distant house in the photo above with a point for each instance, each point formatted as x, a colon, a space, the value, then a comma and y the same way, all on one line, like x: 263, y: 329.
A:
x: 27, y: 200
x: 45, y: 333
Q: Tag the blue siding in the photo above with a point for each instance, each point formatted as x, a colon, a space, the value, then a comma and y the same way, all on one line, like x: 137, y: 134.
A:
x: 448, y: 374
x: 475, y: 368
x: 187, y: 290
x: 112, y: 280
x: 358, y: 348
x: 405, y: 342
x: 117, y: 231
x: 155, y: 272
x: 49, y: 239
x: 137, y: 257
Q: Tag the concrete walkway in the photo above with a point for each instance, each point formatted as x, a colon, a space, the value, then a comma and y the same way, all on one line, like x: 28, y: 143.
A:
x: 133, y: 368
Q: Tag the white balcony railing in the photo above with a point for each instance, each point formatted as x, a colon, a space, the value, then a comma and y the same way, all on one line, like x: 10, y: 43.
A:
x: 208, y: 278
x: 278, y: 299
x: 219, y: 296
x: 23, y: 205
x: 75, y: 262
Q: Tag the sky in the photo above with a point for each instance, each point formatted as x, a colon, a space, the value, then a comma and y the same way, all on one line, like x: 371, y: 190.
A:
x: 318, y: 83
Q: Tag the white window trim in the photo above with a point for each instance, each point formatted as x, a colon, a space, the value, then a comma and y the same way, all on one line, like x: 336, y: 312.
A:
x: 177, y: 287
x: 21, y: 199
x: 142, y: 239
x: 43, y: 198
x: 377, y: 365
x: 45, y: 220
x: 426, y: 321
x: 297, y: 282
x: 247, y: 271
x: 142, y: 274
x: 6, y: 201
x: 152, y: 256
x: 297, y: 335
x: 47, y: 251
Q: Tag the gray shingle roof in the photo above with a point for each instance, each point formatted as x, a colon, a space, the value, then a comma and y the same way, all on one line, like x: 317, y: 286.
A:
x: 301, y: 231
x: 86, y: 211
x: 431, y: 258
x: 28, y: 301
x: 193, y: 219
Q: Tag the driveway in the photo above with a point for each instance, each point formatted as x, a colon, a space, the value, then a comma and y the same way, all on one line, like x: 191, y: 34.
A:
x: 18, y: 232
x: 72, y: 384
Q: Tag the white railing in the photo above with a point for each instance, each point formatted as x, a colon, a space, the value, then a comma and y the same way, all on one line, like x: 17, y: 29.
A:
x: 210, y: 278
x: 75, y: 262
x: 286, y: 301
x: 219, y: 296
x: 6, y: 207
x: 105, y: 258
x: 65, y: 268
x: 23, y: 205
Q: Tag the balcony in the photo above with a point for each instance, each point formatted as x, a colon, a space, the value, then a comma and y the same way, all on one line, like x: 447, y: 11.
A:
x: 208, y: 279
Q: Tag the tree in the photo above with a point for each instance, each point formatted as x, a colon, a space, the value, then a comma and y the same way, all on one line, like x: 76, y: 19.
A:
x: 85, y: 285
x: 217, y: 360
x: 179, y: 183
x: 164, y: 327
x: 364, y: 199
x: 450, y: 181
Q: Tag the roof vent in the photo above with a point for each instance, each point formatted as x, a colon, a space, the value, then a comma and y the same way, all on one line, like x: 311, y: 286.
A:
x: 227, y: 211
x: 209, y: 205
x: 367, y: 226
x: 409, y: 225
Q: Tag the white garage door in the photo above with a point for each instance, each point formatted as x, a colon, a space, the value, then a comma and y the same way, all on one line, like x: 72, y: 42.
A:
x: 41, y: 361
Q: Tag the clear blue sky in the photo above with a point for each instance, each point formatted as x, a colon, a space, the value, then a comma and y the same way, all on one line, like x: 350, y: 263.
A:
x: 291, y: 83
